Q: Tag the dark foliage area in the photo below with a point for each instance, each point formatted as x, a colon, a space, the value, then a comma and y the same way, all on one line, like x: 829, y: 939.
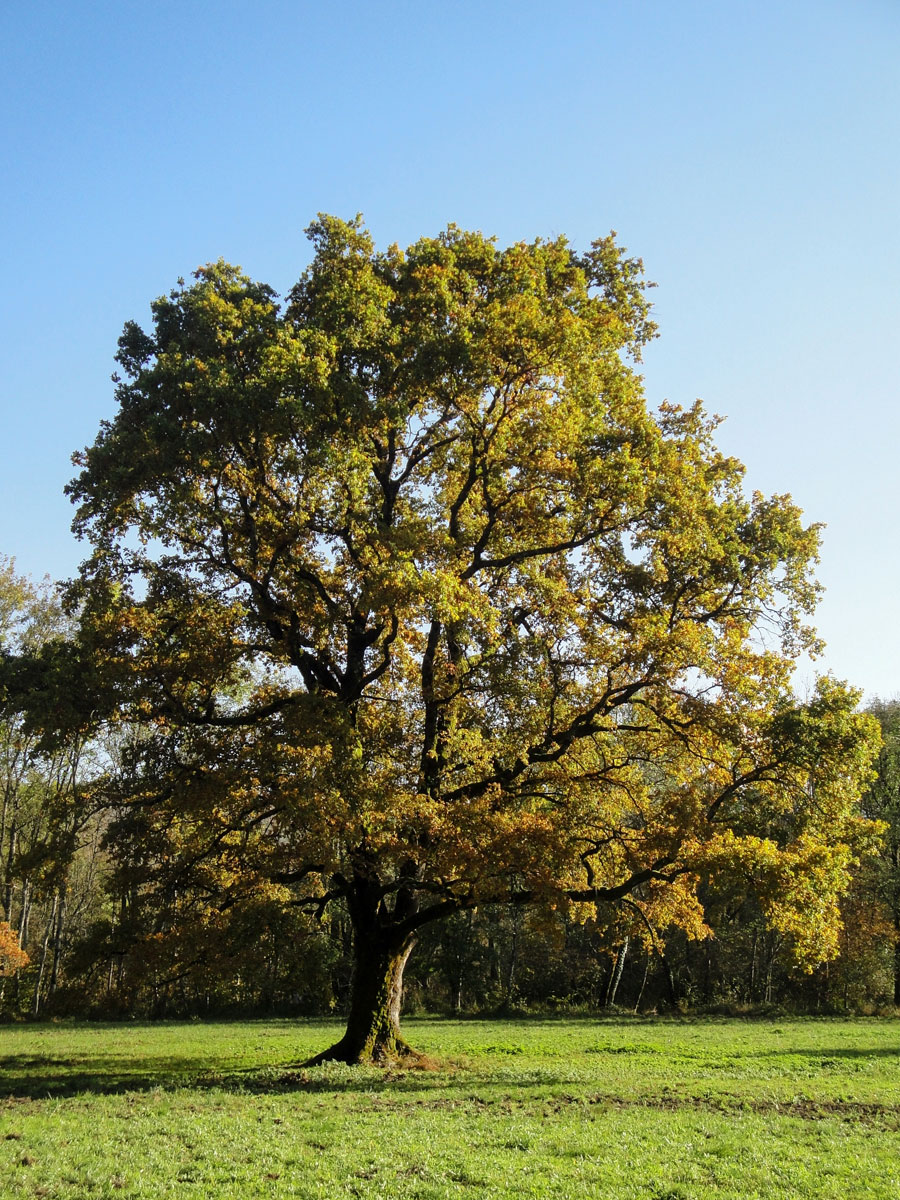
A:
x: 103, y: 945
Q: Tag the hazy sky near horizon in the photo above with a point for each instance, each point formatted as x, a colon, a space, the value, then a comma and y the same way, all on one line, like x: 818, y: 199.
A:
x: 749, y: 152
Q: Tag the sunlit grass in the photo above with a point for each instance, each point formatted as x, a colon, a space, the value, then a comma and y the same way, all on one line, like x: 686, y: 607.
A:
x: 657, y: 1110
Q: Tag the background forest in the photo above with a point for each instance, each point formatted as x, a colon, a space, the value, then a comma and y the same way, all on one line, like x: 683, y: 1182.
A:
x: 111, y: 928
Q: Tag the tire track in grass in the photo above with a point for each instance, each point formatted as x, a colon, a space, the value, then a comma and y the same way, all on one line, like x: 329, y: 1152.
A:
x: 884, y: 1116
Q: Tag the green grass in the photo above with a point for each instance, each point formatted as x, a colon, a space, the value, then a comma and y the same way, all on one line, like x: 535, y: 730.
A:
x: 631, y: 1109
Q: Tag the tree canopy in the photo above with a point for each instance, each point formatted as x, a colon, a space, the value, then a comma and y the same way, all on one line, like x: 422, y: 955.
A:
x: 882, y: 803
x: 418, y: 607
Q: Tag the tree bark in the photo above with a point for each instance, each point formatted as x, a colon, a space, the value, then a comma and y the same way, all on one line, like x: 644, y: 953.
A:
x: 36, y: 1002
x: 615, y: 975
x: 57, y: 938
x: 637, y: 1003
x: 373, y: 1024
x: 669, y: 978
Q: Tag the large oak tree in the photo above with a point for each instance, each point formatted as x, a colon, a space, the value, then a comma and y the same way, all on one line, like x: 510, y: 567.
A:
x: 419, y: 607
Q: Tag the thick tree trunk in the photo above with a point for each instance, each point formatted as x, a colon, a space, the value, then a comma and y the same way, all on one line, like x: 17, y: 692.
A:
x: 373, y: 1025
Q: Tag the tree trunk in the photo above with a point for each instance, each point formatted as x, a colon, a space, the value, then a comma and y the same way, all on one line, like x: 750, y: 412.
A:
x: 637, y: 1003
x: 509, y: 988
x: 25, y: 914
x: 615, y: 974
x: 57, y: 939
x: 751, y: 991
x: 373, y: 1025
x: 670, y: 979
x: 36, y: 1002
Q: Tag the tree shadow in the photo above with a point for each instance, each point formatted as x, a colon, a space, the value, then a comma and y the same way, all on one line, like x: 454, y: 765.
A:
x: 43, y: 1077
x: 823, y: 1053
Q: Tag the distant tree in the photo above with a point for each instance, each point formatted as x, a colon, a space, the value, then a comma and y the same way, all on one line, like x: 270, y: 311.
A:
x: 48, y: 853
x: 12, y: 956
x: 423, y: 609
x: 882, y: 802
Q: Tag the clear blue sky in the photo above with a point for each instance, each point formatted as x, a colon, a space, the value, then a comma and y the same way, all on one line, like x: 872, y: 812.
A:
x: 748, y: 151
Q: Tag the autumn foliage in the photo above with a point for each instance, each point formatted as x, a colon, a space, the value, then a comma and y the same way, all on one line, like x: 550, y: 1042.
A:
x: 12, y: 956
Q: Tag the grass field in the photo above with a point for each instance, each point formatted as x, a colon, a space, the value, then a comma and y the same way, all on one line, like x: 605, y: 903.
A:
x: 649, y: 1109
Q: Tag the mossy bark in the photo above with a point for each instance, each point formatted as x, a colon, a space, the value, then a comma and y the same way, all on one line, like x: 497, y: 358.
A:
x: 373, y: 1024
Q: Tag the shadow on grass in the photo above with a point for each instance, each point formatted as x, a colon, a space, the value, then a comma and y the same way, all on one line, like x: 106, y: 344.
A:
x: 115, y: 1070
x: 821, y: 1054
x: 42, y: 1077
x: 378, y: 1089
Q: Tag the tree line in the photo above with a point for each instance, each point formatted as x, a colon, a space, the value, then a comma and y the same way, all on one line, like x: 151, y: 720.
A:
x: 414, y: 656
x: 91, y: 932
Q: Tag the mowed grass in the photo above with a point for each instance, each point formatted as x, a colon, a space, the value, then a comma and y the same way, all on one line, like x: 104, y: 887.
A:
x: 656, y: 1110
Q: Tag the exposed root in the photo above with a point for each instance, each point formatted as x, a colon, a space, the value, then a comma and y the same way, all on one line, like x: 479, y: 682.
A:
x: 398, y: 1054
